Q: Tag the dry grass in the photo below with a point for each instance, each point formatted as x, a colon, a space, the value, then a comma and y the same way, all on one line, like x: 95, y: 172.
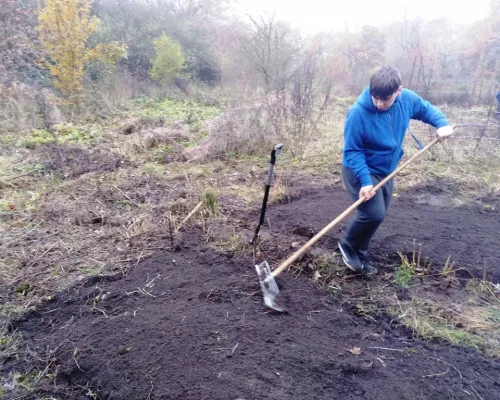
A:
x: 470, y: 320
x: 468, y: 324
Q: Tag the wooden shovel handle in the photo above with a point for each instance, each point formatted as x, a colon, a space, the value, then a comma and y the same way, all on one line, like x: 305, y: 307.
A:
x: 321, y: 233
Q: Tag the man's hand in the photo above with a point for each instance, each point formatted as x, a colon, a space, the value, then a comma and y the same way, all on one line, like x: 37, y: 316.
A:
x: 366, y: 192
x: 444, y: 132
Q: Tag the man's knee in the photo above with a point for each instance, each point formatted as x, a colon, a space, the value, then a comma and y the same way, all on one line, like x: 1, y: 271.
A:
x: 378, y: 216
x: 374, y: 216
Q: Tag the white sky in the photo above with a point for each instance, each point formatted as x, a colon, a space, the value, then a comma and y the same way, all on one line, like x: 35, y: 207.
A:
x: 314, y: 16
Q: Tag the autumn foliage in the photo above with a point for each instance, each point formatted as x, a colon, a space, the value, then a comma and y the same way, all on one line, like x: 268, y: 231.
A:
x: 64, y: 28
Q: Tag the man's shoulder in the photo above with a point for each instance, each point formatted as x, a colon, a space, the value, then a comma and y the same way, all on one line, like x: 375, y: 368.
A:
x: 355, y: 110
x: 409, y: 97
x: 409, y: 94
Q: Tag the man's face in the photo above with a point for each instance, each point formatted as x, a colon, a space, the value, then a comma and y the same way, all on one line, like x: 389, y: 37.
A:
x: 386, y: 103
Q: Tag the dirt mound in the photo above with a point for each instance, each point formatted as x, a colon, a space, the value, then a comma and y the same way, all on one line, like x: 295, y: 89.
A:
x: 69, y: 161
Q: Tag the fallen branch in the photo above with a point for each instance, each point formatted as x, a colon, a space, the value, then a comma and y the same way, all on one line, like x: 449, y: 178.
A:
x: 25, y: 174
x: 198, y: 206
x: 433, y: 375
x: 24, y: 234
x: 385, y: 348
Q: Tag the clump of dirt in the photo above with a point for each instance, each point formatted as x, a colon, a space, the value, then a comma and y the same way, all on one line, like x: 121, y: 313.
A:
x: 68, y: 161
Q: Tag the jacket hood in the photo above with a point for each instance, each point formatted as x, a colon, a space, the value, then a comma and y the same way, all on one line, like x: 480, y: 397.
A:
x: 365, y: 101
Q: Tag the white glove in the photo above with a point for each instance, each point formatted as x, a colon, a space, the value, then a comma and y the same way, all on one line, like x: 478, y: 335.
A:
x: 444, y: 132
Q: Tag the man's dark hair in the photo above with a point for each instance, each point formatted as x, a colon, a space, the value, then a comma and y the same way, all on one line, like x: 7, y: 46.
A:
x: 384, y: 82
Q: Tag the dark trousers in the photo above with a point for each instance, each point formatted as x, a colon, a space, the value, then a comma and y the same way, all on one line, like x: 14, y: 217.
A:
x: 369, y: 214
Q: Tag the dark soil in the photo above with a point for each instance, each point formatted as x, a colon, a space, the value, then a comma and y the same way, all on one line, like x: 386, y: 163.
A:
x: 467, y: 235
x: 191, y: 324
x: 68, y: 161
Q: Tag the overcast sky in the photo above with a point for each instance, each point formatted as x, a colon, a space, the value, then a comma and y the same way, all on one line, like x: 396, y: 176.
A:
x: 322, y: 15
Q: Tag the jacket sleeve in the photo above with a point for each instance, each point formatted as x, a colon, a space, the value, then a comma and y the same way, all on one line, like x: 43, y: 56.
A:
x: 354, y: 147
x: 426, y: 112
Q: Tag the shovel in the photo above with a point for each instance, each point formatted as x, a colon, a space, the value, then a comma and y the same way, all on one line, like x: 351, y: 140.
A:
x: 269, y: 183
x: 267, y: 282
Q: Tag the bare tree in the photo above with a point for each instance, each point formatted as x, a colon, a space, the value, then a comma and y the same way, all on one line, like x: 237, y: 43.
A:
x: 296, y: 93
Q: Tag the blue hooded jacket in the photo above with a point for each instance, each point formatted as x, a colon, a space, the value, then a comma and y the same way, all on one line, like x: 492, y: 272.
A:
x: 373, y: 139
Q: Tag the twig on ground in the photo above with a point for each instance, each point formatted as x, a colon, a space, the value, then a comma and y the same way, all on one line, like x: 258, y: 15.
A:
x: 189, y: 215
x: 386, y: 348
x: 39, y: 258
x: 76, y: 362
x: 150, y: 283
x: 381, y: 361
x: 170, y: 230
x: 472, y: 387
x: 433, y: 375
x: 126, y: 195
x: 152, y: 387
x: 24, y: 234
x: 102, y: 311
x: 144, y: 292
x: 450, y: 365
x: 25, y: 174
x: 139, y: 259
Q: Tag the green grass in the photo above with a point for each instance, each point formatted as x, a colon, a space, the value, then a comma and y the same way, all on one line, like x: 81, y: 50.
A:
x: 60, y: 133
x: 233, y: 244
x: 404, y: 275
x: 411, y: 267
x: 210, y: 199
x: 192, y: 113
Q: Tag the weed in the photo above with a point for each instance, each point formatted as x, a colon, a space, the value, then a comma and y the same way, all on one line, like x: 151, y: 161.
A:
x: 404, y: 273
x: 161, y: 152
x: 234, y: 244
x: 471, y: 326
x: 9, y: 344
x: 60, y: 133
x: 411, y: 268
x: 279, y: 192
x: 192, y: 113
x: 26, y: 381
x: 153, y: 168
x: 321, y: 263
x: 482, y: 291
x: 210, y: 199
x: 448, y: 268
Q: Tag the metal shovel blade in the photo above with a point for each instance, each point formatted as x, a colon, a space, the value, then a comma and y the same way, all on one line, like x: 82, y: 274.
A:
x: 268, y: 286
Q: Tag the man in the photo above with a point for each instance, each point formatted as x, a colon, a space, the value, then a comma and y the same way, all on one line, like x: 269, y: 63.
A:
x: 374, y: 131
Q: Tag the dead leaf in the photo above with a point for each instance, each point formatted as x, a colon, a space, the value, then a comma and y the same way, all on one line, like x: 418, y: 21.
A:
x: 356, y: 351
x: 316, y: 276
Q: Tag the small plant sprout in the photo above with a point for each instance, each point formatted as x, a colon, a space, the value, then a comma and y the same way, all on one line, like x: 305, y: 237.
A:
x: 448, y: 268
